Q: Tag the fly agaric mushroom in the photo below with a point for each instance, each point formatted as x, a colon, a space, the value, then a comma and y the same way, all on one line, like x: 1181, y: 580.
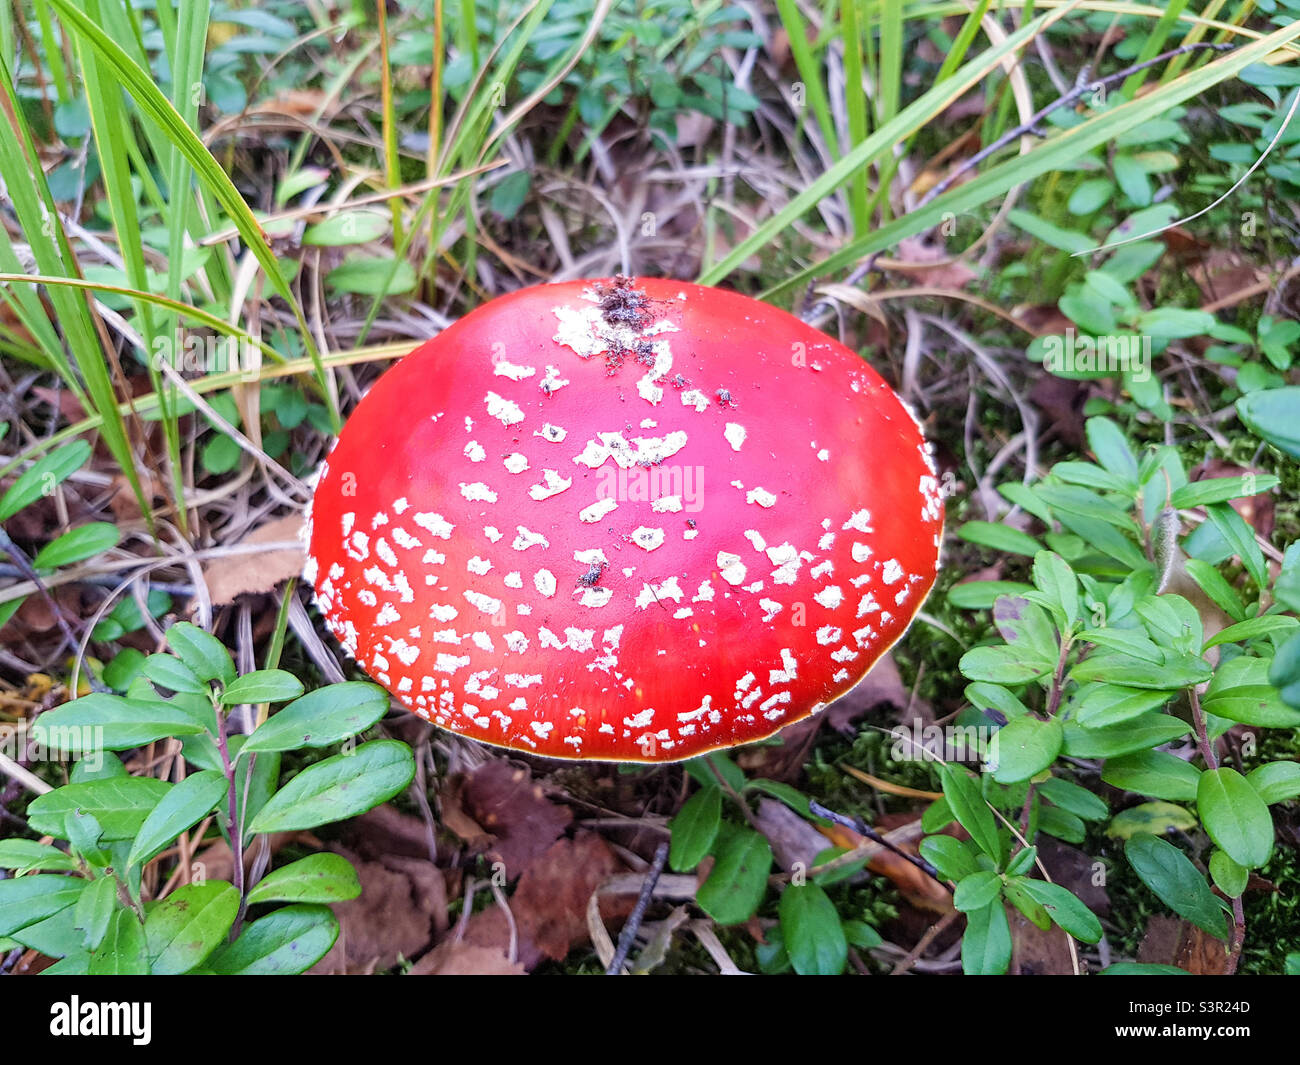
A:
x: 630, y: 520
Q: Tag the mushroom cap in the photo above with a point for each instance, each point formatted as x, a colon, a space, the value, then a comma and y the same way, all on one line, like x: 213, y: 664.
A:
x: 629, y: 520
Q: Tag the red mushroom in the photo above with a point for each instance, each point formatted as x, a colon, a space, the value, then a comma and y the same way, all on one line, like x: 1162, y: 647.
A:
x: 631, y: 520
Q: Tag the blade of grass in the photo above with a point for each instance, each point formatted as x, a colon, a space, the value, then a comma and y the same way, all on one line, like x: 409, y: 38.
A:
x: 1052, y: 154
x: 151, y: 100
x: 392, y: 170
x: 38, y: 218
x: 855, y: 101
x: 810, y: 70
x: 881, y: 140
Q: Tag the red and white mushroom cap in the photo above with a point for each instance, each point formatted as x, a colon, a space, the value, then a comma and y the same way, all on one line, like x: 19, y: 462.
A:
x: 631, y: 520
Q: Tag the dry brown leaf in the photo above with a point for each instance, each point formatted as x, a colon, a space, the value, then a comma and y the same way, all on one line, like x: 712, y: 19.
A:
x: 466, y: 959
x: 505, y: 801
x: 1172, y: 941
x: 237, y: 575
x: 550, y: 904
x: 402, y: 903
x: 918, y: 888
x: 1035, y: 952
x: 927, y: 264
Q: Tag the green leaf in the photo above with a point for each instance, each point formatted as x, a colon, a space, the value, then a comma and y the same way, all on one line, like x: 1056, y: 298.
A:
x: 1023, y: 748
x: 986, y: 944
x: 357, y: 226
x: 77, y: 544
x: 95, y: 909
x: 862, y: 935
x: 1141, y: 968
x: 1252, y: 628
x: 168, y: 671
x: 1004, y: 664
x: 323, y: 877
x: 1174, y: 322
x: 792, y: 797
x: 188, y: 925
x: 1235, y: 817
x: 119, y: 804
x: 1026, y: 626
x: 1213, y: 584
x: 1090, y: 196
x: 1230, y: 877
x: 1169, y: 873
x: 109, y: 722
x: 1103, y: 705
x: 738, y: 880
x: 266, y: 686
x: 1136, y: 734
x: 1065, y: 909
x: 26, y: 855
x: 695, y: 828
x: 1156, y: 773
x: 43, y: 476
x: 1241, y: 692
x: 123, y: 951
x: 977, y: 890
x: 968, y: 805
x: 510, y: 193
x: 701, y: 770
x: 338, y: 788
x: 1220, y: 490
x: 202, y: 652
x: 1049, y: 234
x: 1177, y: 671
x: 1241, y: 538
x: 28, y: 899
x: 1056, y: 580
x: 1014, y: 892
x: 810, y: 926
x: 1062, y: 824
x: 1152, y: 818
x: 320, y: 718
x: 980, y: 595
x: 1273, y: 782
x: 1077, y: 800
x: 985, y: 696
x: 182, y: 808
x: 1272, y: 414
x: 284, y: 943
x: 999, y: 537
x: 1109, y: 444
x: 949, y: 856
x: 368, y: 276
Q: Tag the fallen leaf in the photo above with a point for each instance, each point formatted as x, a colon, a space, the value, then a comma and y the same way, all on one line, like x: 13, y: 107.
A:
x: 1172, y: 941
x: 235, y: 575
x: 795, y: 841
x: 505, y: 801
x: 466, y: 959
x: 550, y: 902
x: 928, y: 265
x: 397, y: 914
x: 1035, y: 952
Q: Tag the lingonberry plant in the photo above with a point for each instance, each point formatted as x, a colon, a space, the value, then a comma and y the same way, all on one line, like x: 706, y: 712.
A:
x: 88, y: 904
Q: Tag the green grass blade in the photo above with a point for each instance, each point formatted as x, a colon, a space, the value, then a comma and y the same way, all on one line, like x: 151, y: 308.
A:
x: 1053, y: 154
